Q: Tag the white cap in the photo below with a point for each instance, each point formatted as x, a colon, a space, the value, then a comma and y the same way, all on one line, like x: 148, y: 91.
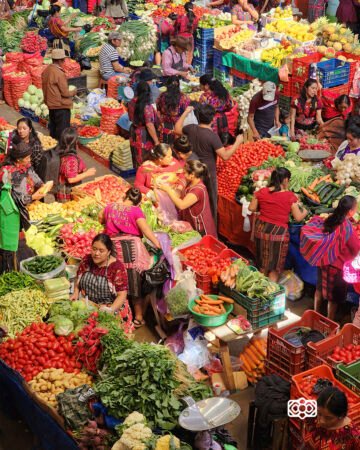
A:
x: 269, y: 90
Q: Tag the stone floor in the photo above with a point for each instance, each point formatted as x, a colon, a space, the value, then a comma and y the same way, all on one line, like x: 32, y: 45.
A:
x: 14, y: 434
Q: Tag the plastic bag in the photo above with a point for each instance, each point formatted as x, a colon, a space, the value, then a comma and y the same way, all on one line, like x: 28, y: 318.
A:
x: 190, y: 119
x: 196, y: 354
x: 167, y: 208
x: 180, y: 226
x: 293, y: 285
x: 176, y: 342
x: 187, y: 282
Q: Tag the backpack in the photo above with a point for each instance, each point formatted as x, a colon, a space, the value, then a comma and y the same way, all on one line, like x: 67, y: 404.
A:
x: 49, y: 168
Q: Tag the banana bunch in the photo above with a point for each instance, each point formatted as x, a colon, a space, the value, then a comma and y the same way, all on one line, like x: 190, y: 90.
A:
x: 276, y: 55
x: 299, y: 31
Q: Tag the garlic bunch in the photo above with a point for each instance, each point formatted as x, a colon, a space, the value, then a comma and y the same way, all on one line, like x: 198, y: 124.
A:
x: 244, y: 102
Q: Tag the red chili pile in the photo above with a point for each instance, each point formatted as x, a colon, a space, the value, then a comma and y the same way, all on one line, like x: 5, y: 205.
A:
x: 89, y: 131
x: 32, y: 42
x: 88, y: 349
x: 38, y: 348
x: 252, y: 154
x: 347, y: 355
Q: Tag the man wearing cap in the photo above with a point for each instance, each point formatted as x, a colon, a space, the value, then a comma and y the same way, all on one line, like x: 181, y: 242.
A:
x: 109, y: 58
x: 174, y: 58
x: 57, y: 96
x: 264, y: 111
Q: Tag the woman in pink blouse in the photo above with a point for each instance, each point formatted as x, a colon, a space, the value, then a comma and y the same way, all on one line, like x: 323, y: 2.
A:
x: 126, y: 224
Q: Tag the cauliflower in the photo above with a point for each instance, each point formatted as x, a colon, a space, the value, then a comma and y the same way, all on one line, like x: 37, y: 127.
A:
x: 134, y: 417
x: 164, y: 442
x: 134, y: 436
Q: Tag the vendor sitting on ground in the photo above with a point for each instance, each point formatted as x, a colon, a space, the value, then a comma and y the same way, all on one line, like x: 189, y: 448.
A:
x: 61, y: 29
x: 174, y: 58
x: 160, y: 162
x: 101, y: 278
x: 275, y: 203
x: 334, y: 106
x: 195, y: 203
x: 109, y: 57
x: 264, y: 111
x: 126, y: 224
x: 305, y: 111
x: 332, y: 429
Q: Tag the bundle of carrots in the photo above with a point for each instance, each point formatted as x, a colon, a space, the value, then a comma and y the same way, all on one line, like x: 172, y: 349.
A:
x: 210, y: 307
x: 311, y: 190
x: 252, y: 359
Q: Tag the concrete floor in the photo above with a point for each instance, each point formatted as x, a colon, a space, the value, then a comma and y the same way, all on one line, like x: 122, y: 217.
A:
x: 14, y: 434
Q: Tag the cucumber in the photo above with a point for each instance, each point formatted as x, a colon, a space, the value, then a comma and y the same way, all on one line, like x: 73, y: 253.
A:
x: 324, y: 187
x: 323, y: 193
x: 338, y: 192
x: 319, y: 186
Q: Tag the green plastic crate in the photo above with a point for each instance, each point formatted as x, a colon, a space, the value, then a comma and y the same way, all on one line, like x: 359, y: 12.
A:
x: 350, y: 376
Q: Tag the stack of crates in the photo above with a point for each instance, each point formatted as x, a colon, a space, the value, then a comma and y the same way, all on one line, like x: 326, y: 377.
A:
x: 204, y: 51
x: 221, y: 72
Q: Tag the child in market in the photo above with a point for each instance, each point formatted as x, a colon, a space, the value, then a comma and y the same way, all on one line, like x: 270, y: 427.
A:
x: 72, y: 168
x: 285, y: 122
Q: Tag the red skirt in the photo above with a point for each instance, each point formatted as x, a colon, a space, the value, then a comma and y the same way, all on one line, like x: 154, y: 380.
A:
x: 331, y: 284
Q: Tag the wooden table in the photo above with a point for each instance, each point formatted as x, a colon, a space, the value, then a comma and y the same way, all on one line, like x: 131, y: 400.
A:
x: 222, y: 336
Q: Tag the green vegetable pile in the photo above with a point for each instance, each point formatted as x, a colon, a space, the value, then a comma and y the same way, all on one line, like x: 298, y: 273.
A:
x: 21, y: 308
x: 145, y: 378
x: 150, y: 215
x: 177, y: 301
x: 14, y: 281
x: 43, y: 264
x: 254, y: 284
x: 139, y: 39
x: 69, y: 316
x: 9, y: 38
x: 178, y: 239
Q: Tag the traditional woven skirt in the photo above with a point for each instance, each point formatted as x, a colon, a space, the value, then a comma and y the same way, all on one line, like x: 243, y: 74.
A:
x: 271, y: 243
x: 331, y: 284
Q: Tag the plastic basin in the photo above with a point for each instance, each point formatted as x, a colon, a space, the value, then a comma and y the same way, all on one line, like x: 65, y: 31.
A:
x: 211, y: 321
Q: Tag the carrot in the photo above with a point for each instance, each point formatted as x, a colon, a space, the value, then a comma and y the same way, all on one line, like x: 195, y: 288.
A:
x: 249, y: 351
x: 313, y: 184
x: 259, y: 346
x: 225, y: 299
x: 199, y: 302
x: 196, y: 308
x: 210, y: 301
x: 314, y: 196
x: 256, y: 352
x: 214, y: 309
x: 210, y: 313
x: 246, y: 365
x: 248, y: 359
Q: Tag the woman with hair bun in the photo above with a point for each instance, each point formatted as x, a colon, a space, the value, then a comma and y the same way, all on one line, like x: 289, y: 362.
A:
x: 160, y: 165
x: 274, y: 203
x: 183, y: 150
x: 195, y: 204
x: 126, y: 224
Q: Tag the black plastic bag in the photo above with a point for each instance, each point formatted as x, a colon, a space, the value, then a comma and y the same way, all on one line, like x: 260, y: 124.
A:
x: 155, y: 277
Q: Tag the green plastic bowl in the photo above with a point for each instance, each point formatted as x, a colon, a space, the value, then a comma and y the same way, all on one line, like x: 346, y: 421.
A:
x: 84, y: 140
x: 211, y: 321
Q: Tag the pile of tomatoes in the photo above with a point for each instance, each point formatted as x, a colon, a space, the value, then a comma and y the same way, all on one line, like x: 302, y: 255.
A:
x: 111, y: 189
x: 89, y: 131
x: 38, y: 348
x: 251, y: 154
x: 199, y: 258
x: 216, y: 268
x: 347, y: 355
x: 307, y: 386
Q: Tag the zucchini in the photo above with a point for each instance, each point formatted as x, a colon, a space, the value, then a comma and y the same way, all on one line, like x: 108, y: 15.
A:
x: 338, y: 192
x: 323, y: 210
x: 324, y: 187
x: 324, y: 191
x: 329, y: 195
x: 319, y: 186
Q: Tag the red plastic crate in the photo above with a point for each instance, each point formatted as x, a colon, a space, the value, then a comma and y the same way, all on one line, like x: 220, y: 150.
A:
x: 242, y: 75
x: 325, y: 372
x: 353, y: 65
x: 228, y: 253
x: 300, y: 66
x: 284, y: 354
x: 296, y: 85
x: 319, y: 352
x: 271, y: 368
x: 338, y: 90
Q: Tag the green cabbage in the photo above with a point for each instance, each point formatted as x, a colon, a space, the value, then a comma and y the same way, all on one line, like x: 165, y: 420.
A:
x: 32, y: 89
x: 63, y: 325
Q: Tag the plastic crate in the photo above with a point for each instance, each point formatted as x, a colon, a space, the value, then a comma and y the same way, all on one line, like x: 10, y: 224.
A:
x: 205, y: 34
x: 202, y: 68
x: 79, y: 82
x: 353, y: 65
x: 286, y: 355
x: 284, y: 102
x: 319, y: 352
x: 242, y: 75
x: 297, y: 84
x: 122, y: 173
x: 285, y: 88
x: 350, y: 376
x: 272, y: 368
x: 203, y: 55
x: 300, y: 66
x: 221, y: 75
x: 333, y: 72
x: 325, y: 372
x: 29, y: 114
x: 295, y: 437
x: 338, y: 90
x: 239, y: 82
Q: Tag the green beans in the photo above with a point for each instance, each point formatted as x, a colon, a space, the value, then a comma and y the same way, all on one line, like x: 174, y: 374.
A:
x: 43, y: 264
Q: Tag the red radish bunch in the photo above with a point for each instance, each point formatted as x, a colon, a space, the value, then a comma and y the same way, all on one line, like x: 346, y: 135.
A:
x: 32, y: 42
x: 76, y: 244
x: 38, y: 348
x: 252, y: 154
x: 307, y: 143
x: 93, y: 437
x: 88, y: 349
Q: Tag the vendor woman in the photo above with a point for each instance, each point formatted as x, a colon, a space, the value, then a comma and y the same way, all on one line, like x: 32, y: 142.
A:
x: 274, y: 203
x: 126, y: 224
x: 102, y: 279
x: 306, y: 110
x: 160, y: 162
x: 195, y: 204
x: 244, y: 13
x: 60, y: 30
x: 353, y: 139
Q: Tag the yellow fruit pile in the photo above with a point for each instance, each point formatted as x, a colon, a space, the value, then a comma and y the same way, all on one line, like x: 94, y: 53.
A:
x: 39, y: 210
x: 238, y: 38
x: 276, y: 55
x: 283, y: 13
x: 339, y: 38
x: 47, y: 142
x: 299, y: 31
x: 106, y: 144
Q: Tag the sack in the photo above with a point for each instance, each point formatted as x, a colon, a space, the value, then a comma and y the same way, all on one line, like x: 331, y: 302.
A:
x: 49, y: 167
x: 155, y: 277
x: 320, y: 248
